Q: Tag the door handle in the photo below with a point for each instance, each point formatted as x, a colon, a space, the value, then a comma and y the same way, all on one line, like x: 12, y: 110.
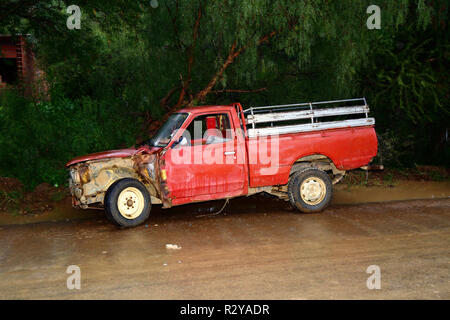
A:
x: 229, y: 153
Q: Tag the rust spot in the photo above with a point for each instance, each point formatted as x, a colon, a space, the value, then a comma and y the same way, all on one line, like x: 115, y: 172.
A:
x: 90, y: 180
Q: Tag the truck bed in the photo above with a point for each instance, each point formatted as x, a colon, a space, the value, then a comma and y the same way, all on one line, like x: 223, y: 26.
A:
x: 305, y: 129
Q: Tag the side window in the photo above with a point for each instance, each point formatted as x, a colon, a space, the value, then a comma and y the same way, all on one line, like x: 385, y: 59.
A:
x: 208, y: 129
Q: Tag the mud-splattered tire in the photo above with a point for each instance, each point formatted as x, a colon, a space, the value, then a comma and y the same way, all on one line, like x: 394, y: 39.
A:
x: 310, y: 190
x: 127, y: 203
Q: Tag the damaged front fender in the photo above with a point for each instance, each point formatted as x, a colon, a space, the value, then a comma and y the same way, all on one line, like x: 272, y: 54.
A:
x: 90, y: 180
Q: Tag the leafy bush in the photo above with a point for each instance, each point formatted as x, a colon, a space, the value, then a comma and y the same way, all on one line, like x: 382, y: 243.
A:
x: 127, y: 67
x: 37, y: 139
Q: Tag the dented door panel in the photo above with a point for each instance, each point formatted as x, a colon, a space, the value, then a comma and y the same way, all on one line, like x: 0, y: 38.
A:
x: 191, y: 180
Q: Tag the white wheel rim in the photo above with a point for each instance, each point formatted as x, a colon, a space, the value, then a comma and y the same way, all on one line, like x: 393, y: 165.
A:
x: 313, y: 190
x: 130, y: 203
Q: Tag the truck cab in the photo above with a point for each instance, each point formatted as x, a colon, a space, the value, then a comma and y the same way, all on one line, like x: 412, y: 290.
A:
x: 206, y: 159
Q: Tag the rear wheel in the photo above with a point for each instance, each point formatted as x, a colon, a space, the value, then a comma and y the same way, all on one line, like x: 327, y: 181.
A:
x: 127, y: 203
x: 310, y: 190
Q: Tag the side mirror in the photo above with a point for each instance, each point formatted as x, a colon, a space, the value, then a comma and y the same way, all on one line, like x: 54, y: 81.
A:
x: 182, y: 141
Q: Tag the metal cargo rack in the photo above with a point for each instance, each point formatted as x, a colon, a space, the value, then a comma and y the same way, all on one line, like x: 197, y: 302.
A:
x: 311, y: 110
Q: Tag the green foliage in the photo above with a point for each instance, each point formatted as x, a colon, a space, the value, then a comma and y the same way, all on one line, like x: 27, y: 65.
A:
x: 128, y: 64
x: 37, y: 139
x: 406, y: 83
x: 407, y: 78
x: 10, y: 199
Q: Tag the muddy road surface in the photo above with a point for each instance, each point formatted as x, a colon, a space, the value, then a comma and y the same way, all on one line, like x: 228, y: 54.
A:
x: 258, y: 248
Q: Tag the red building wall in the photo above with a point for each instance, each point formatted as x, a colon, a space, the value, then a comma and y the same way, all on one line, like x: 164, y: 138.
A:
x: 18, y: 52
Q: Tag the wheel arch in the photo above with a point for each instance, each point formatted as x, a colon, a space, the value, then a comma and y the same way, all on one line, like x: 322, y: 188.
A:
x: 313, y: 160
x: 150, y: 188
x: 319, y: 161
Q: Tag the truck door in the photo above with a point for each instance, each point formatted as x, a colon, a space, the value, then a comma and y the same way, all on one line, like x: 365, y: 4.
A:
x: 207, y: 163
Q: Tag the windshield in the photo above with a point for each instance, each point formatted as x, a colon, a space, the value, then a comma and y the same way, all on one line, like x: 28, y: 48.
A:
x: 166, y: 132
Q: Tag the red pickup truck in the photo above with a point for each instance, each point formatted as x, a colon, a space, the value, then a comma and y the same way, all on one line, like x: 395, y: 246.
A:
x: 296, y: 152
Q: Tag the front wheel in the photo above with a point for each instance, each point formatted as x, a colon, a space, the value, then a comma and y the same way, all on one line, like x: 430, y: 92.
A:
x: 310, y: 190
x: 127, y: 203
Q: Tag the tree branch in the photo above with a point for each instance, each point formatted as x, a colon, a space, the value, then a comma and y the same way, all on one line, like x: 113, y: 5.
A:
x: 238, y: 90
x: 233, y: 54
x: 164, y: 101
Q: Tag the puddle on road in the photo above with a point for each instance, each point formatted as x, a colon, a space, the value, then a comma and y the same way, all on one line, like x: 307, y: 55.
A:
x: 404, y: 190
x: 61, y: 211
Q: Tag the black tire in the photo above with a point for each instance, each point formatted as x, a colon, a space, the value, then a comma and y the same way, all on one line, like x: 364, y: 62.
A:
x: 111, y: 203
x: 325, y: 194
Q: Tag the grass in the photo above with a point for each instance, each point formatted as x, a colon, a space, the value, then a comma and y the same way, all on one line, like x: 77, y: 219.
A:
x: 58, y: 196
x: 10, y: 200
x: 388, y: 180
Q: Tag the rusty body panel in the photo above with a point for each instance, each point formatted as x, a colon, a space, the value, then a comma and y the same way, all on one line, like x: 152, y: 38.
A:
x: 122, y: 153
x: 91, y: 178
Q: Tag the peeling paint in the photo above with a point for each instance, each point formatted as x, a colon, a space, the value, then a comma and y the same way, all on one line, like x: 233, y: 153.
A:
x: 90, y: 180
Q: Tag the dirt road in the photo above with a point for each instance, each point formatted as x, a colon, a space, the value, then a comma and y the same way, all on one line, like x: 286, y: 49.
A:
x: 259, y: 249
